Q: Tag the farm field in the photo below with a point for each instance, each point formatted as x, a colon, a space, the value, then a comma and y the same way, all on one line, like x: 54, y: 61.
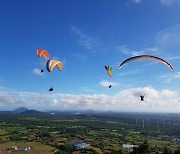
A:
x: 104, y: 132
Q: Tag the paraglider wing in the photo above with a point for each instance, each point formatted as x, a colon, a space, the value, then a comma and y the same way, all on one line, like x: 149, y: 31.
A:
x: 147, y: 57
x: 109, y: 70
x: 52, y: 63
x: 43, y: 52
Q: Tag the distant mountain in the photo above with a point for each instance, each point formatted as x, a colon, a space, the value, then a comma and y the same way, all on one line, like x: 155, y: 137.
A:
x: 25, y: 112
x: 6, y: 112
x: 33, y: 113
x: 90, y: 111
x: 20, y: 110
x: 54, y: 111
x: 71, y: 111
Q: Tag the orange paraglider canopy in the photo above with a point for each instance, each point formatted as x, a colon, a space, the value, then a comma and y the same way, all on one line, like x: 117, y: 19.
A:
x: 43, y: 52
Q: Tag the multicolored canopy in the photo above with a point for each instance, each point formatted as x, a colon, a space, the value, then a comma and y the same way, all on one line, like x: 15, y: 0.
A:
x: 109, y: 70
x: 147, y: 57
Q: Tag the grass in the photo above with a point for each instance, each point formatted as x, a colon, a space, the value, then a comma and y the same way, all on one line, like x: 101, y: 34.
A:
x: 160, y: 143
x: 98, y: 150
x: 3, y: 132
x: 37, y: 147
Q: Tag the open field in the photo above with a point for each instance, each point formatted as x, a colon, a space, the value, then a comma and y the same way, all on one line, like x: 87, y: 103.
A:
x: 37, y: 148
x: 106, y: 133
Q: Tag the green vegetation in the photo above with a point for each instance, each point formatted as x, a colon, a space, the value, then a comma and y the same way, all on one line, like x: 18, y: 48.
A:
x: 37, y: 147
x: 106, y: 133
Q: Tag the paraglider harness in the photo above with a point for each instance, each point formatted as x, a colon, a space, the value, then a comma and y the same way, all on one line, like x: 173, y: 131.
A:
x: 142, y: 97
x: 51, y: 89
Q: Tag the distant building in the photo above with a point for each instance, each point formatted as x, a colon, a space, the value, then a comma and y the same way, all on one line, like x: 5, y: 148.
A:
x: 176, y: 140
x: 80, y: 144
x: 23, y: 149
x: 22, y: 132
x: 129, y: 146
x: 15, y: 148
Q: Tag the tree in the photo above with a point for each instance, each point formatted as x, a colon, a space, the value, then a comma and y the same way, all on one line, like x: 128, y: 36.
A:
x: 177, y: 151
x: 166, y: 150
x: 117, y: 151
x: 143, y: 148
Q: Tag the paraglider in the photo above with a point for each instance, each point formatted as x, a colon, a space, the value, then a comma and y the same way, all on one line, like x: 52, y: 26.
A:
x: 109, y: 70
x: 52, y: 63
x: 43, y: 52
x: 50, y: 66
x: 147, y: 57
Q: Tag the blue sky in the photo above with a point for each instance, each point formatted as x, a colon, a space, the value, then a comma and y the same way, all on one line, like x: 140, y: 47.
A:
x: 85, y: 36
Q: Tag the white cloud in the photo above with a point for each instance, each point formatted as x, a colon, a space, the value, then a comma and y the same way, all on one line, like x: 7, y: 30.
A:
x: 126, y: 50
x: 166, y: 2
x: 168, y: 38
x: 84, y: 39
x: 165, y: 40
x: 170, y: 78
x: 136, y: 1
x: 173, y: 58
x: 151, y: 49
x: 37, y: 71
x: 106, y: 83
x: 170, y: 2
x: 40, y: 100
x: 17, y: 97
x: 87, y: 89
x: 55, y: 101
x: 10, y: 99
x: 84, y: 101
x: 127, y: 100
